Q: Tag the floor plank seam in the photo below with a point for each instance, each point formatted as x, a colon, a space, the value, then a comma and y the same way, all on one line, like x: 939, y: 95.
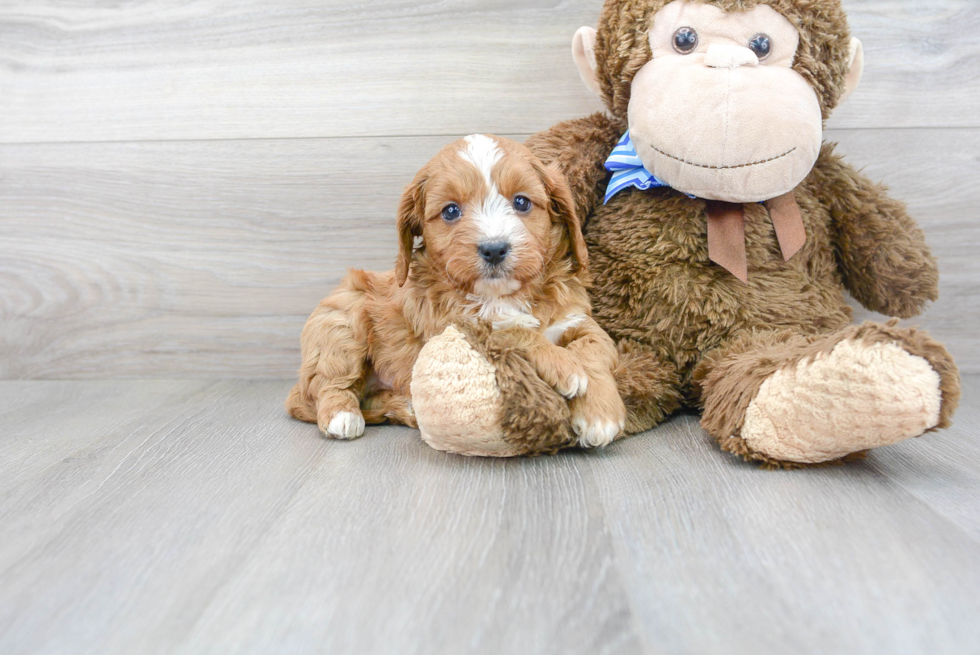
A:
x: 619, y: 559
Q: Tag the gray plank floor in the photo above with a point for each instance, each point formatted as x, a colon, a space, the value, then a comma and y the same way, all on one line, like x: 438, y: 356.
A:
x: 193, y: 517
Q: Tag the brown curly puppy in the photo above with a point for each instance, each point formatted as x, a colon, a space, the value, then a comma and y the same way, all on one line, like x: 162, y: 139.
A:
x: 488, y: 234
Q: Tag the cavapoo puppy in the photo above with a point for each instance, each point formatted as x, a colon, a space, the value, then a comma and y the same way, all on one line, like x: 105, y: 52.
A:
x: 487, y: 233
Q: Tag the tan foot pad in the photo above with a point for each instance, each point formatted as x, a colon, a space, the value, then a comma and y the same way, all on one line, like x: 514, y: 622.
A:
x: 852, y: 399
x: 458, y: 405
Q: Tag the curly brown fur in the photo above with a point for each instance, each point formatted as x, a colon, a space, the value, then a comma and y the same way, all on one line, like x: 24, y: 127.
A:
x: 885, y: 261
x: 578, y: 148
x: 649, y: 387
x: 388, y: 407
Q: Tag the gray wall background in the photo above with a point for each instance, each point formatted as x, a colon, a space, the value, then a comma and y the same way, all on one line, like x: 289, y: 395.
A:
x: 182, y: 181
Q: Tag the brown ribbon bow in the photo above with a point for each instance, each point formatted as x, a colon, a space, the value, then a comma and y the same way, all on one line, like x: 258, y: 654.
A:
x: 726, y: 232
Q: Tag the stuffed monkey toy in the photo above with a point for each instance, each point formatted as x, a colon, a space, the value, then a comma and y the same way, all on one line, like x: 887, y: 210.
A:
x: 722, y: 234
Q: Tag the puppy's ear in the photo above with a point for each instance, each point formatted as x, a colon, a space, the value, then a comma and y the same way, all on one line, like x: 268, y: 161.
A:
x: 411, y: 216
x: 563, y: 209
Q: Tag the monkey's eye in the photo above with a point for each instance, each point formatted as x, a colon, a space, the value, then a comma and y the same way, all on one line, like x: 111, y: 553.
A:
x: 685, y: 40
x: 452, y: 213
x: 522, y: 204
x: 761, y: 45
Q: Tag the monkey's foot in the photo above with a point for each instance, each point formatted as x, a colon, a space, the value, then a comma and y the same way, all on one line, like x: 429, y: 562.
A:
x: 475, y: 395
x: 854, y: 398
x: 456, y: 399
x: 814, y: 401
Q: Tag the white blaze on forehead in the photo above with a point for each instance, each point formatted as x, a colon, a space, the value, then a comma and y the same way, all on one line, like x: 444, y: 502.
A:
x: 493, y: 214
x: 483, y: 153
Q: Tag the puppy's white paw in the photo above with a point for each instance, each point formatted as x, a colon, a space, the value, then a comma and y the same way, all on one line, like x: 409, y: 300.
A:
x: 346, y: 425
x: 596, y: 434
x: 576, y: 385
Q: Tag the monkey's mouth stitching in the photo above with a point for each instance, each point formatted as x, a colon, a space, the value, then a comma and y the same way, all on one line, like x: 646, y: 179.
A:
x: 724, y: 168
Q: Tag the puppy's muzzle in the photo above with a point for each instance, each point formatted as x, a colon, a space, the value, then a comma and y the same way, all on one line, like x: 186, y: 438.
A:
x: 495, y: 252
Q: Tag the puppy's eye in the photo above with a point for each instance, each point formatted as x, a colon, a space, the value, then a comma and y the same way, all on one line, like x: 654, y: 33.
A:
x: 685, y: 40
x: 523, y: 204
x: 761, y: 45
x: 452, y: 213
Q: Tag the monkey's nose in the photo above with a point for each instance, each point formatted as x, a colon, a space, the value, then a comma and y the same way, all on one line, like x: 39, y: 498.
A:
x: 729, y: 56
x: 494, y: 253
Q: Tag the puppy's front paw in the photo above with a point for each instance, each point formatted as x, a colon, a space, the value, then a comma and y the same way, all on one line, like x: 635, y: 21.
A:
x: 596, y: 434
x: 562, y: 372
x: 600, y: 416
x: 575, y: 385
x: 346, y: 425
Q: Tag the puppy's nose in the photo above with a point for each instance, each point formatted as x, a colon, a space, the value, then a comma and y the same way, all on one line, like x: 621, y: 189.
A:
x: 495, y: 252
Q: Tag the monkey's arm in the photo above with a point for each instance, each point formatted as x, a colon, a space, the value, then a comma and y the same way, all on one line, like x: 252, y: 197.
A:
x: 883, y: 256
x: 579, y: 148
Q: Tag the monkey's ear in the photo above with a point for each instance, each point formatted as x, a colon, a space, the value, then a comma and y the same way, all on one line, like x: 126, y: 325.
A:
x: 563, y: 210
x: 855, y: 70
x: 411, y: 215
x: 583, y: 51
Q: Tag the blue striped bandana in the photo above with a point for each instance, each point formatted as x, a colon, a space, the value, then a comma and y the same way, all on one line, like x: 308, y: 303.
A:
x: 628, y: 170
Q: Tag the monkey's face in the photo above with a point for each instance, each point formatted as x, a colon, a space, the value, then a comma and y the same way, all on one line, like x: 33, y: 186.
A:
x: 719, y: 111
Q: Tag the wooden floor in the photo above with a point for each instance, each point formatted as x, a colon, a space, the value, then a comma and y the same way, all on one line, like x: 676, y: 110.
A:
x: 194, y: 517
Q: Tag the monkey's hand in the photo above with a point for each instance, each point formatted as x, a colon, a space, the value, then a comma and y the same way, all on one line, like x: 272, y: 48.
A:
x: 884, y: 260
